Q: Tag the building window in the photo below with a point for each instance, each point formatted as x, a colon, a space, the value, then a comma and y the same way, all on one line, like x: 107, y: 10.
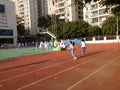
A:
x: 6, y: 40
x: 2, y: 8
x: 4, y: 32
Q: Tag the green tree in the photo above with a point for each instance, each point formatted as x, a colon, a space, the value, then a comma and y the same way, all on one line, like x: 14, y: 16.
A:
x: 20, y: 26
x: 44, y: 21
x: 74, y: 29
x: 95, y: 31
x: 59, y: 30
x: 21, y: 29
x: 115, y: 11
x: 104, y: 2
x: 109, y: 26
x: 65, y: 30
x: 108, y: 3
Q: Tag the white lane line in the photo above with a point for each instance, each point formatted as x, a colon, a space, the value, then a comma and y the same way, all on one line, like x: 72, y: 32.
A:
x: 51, y: 76
x: 20, y: 68
x: 33, y: 71
x: 93, y: 73
x: 33, y: 83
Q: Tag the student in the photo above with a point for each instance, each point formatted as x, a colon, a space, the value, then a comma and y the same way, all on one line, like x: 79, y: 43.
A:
x: 37, y: 45
x: 83, y: 47
x: 71, y: 47
x: 5, y: 46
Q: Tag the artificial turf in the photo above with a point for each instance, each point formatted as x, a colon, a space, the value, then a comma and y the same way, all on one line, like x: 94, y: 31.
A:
x: 15, y: 52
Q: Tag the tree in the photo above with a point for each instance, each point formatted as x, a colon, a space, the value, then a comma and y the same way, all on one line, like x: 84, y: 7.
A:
x: 116, y: 11
x: 108, y: 27
x: 74, y: 29
x: 95, y: 31
x: 108, y: 3
x: 20, y: 26
x: 104, y: 2
x: 44, y: 21
x: 59, y: 30
x: 21, y: 29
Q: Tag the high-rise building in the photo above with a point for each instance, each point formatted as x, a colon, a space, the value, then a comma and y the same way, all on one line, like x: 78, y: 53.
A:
x: 67, y: 10
x: 95, y: 13
x: 42, y: 7
x: 8, y: 32
x: 27, y: 11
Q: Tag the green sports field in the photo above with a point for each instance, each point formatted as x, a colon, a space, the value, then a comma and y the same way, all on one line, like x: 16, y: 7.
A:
x: 10, y: 53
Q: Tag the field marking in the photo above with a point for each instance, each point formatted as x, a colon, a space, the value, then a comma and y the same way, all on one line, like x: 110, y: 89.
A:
x: 23, y: 51
x: 93, y: 73
x: 33, y: 71
x: 20, y: 68
x: 33, y: 83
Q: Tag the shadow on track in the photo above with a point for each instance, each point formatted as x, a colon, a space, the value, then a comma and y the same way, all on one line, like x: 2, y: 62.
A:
x: 92, y: 53
x: 30, y: 64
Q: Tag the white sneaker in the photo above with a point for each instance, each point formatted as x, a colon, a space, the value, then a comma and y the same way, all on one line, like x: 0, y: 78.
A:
x: 75, y: 58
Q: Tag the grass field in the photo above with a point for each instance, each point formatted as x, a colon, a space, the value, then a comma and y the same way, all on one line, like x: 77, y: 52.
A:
x: 10, y: 53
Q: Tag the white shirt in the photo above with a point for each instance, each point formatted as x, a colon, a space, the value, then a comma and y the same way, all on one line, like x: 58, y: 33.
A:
x: 83, y: 44
x: 71, y: 46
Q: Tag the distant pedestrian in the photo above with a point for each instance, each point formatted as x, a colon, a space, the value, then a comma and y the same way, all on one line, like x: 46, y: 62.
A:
x: 83, y: 46
x: 41, y: 45
x: 5, y: 46
x: 37, y: 44
x: 19, y: 45
x: 71, y: 48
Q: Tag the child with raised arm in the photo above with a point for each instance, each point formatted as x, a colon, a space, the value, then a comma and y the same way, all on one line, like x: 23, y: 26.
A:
x: 71, y: 47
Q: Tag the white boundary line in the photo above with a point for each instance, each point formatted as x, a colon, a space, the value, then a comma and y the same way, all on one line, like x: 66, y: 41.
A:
x: 33, y: 71
x: 92, y: 73
x: 58, y: 73
x: 37, y: 69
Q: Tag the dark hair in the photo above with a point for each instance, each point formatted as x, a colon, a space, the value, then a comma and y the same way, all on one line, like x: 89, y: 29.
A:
x: 73, y: 43
x: 83, y: 39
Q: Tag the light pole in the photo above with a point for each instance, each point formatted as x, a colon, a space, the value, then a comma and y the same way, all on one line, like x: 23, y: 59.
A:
x: 117, y: 25
x: 117, y: 29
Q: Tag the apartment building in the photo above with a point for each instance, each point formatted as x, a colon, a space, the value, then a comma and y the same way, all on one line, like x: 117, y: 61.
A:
x: 95, y: 13
x: 27, y: 12
x: 67, y: 10
x: 42, y: 7
x: 8, y: 32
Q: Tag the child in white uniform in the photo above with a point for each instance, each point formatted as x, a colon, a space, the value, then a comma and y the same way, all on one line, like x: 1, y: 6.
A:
x: 71, y: 47
x: 83, y: 47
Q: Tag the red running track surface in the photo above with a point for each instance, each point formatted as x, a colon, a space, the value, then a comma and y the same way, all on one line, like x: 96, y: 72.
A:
x: 99, y: 69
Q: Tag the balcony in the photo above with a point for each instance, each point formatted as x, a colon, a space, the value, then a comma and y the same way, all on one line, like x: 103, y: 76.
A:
x: 60, y: 1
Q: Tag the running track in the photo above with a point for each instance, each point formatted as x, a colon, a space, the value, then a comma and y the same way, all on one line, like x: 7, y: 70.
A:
x: 99, y: 69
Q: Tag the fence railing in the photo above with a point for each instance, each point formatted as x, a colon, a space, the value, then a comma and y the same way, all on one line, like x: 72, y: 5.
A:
x: 42, y: 31
x: 108, y: 37
x: 100, y: 39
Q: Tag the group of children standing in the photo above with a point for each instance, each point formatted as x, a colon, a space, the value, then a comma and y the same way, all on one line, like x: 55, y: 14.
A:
x: 45, y: 44
x: 72, y: 48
